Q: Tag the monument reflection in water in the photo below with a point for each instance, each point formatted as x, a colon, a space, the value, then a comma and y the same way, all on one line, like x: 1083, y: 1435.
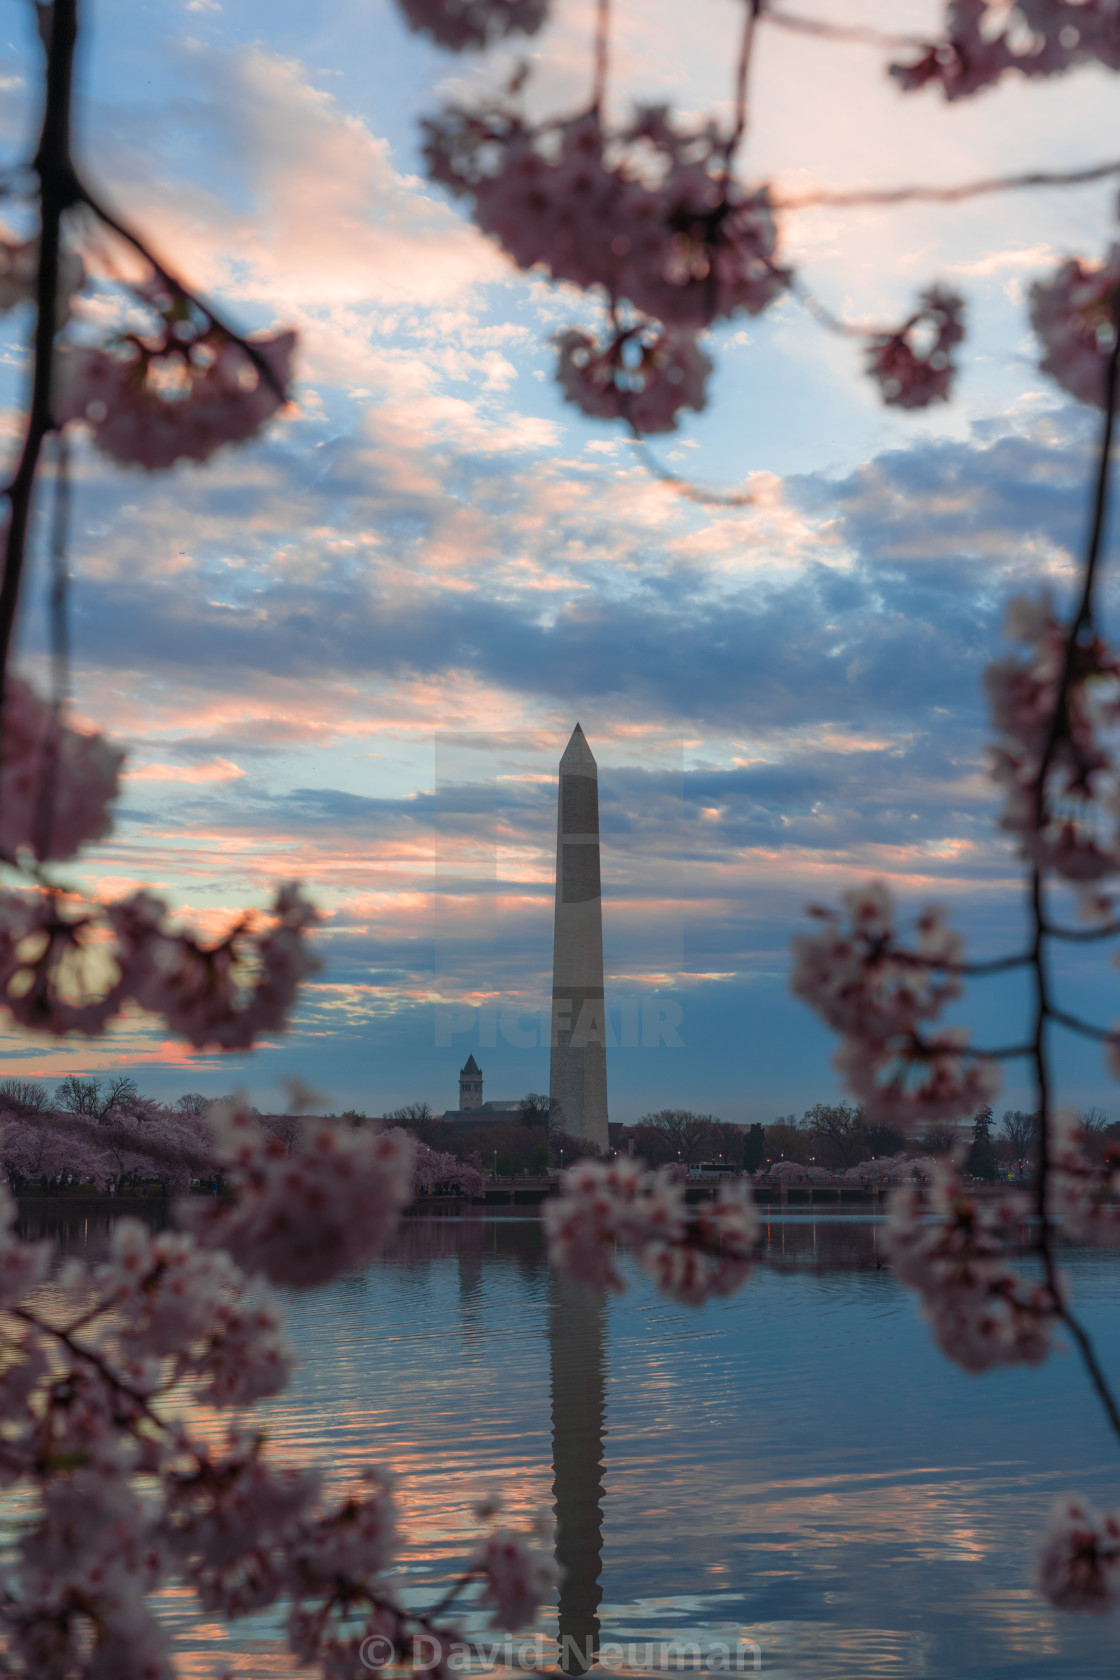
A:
x: 577, y: 1347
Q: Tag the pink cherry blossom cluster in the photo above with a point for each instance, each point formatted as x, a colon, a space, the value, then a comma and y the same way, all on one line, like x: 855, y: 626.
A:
x: 19, y: 268
x: 644, y: 375
x: 53, y: 963
x: 176, y: 1301
x: 141, y: 1142
x: 19, y: 274
x: 226, y: 994
x: 1079, y: 1560
x: 910, y: 373
x: 1072, y: 828
x: 649, y: 216
x: 56, y: 783
x: 434, y: 1168
x: 878, y: 994
x: 1084, y: 1191
x: 125, y: 1495
x: 462, y: 24
x: 691, y: 1254
x: 517, y: 1575
x: 300, y: 1219
x: 953, y: 1250
x: 1076, y: 314
x: 984, y: 39
x: 676, y: 238
x: 177, y: 393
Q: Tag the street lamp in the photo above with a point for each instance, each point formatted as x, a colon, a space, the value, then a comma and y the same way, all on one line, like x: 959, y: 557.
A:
x: 495, y: 1163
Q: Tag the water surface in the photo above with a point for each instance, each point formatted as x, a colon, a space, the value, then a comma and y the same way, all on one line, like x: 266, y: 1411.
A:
x: 796, y: 1467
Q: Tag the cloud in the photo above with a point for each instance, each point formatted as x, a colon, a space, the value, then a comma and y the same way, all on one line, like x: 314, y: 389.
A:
x: 352, y: 651
x: 332, y: 222
x: 221, y: 770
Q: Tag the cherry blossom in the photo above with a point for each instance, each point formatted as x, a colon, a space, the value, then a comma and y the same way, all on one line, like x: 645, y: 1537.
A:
x: 83, y: 1574
x: 690, y: 1255
x: 52, y: 974
x: 542, y: 207
x: 917, y: 1079
x: 717, y: 250
x: 1075, y: 834
x: 178, y: 394
x: 719, y: 1256
x: 877, y: 993
x: 1084, y: 1193
x: 460, y: 24
x: 644, y: 375
x: 434, y: 1168
x: 19, y: 266
x: 911, y: 374
x: 82, y: 771
x: 57, y: 967
x: 1075, y: 314
x: 952, y: 1249
x: 356, y: 1542
x: 169, y: 1292
x: 687, y: 249
x: 1079, y: 1560
x: 888, y: 1169
x: 302, y: 1219
x: 603, y: 1204
x: 229, y: 1522
x: 209, y: 995
x: 145, y: 1141
x: 986, y: 38
x: 175, y: 1298
x: 243, y: 1529
x: 860, y: 980
x: 517, y: 1576
x: 19, y: 271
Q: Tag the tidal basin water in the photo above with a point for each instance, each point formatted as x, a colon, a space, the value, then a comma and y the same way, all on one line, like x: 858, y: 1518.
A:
x: 796, y: 1469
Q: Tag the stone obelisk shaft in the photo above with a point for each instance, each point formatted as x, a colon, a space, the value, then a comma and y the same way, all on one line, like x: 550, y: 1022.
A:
x: 578, y: 1075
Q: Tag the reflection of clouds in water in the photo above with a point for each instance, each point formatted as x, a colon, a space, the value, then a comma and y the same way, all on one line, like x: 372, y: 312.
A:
x: 797, y: 1465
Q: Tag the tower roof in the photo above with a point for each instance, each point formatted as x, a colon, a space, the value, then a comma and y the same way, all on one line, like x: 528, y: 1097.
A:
x: 578, y: 755
x: 469, y: 1066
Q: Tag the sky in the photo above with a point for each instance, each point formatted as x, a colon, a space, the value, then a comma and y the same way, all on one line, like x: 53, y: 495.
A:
x: 353, y: 651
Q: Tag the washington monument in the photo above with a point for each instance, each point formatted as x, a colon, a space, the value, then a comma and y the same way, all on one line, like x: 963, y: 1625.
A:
x: 578, y: 1074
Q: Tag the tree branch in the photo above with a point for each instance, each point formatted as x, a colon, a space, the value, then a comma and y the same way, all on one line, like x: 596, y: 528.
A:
x: 1082, y: 936
x: 843, y: 31
x: 742, y: 75
x: 692, y: 492
x: 1045, y: 1010
x: 1103, y: 1035
x: 887, y: 196
x: 1007, y: 1053
x: 601, y: 54
x: 58, y: 191
x: 143, y: 249
x: 100, y: 1365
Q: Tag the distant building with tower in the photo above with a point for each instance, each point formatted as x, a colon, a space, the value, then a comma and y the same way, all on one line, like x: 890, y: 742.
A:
x: 472, y: 1110
x: 470, y: 1085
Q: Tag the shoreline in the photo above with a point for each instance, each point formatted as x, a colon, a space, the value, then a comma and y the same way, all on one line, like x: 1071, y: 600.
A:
x: 525, y: 1197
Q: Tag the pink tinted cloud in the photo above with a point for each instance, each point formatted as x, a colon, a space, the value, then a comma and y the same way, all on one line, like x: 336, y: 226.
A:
x: 333, y: 221
x: 220, y: 770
